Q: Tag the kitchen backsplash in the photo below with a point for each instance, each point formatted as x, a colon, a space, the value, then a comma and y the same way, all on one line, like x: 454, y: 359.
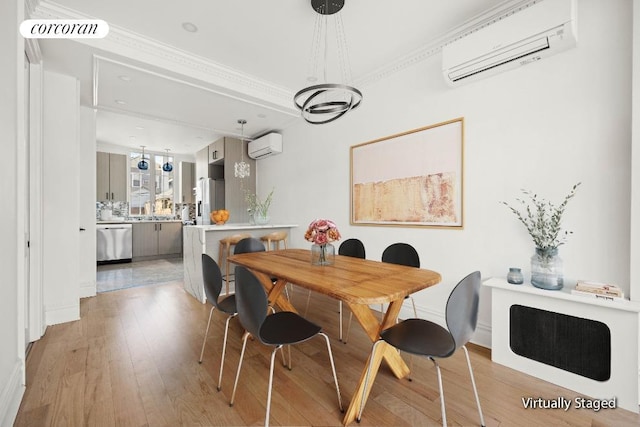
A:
x: 121, y: 210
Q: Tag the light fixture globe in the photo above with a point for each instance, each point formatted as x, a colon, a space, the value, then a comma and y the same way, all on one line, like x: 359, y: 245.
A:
x: 143, y: 165
x: 167, y: 167
x: 242, y: 169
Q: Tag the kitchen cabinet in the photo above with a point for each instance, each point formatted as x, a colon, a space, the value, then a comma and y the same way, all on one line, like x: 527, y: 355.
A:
x: 187, y: 182
x: 202, y: 163
x: 111, y: 177
x: 235, y: 187
x: 156, y: 238
x: 216, y: 151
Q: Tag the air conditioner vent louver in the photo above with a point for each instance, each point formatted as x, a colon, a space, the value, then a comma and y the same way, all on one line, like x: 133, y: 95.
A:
x: 265, y: 146
x: 538, y: 31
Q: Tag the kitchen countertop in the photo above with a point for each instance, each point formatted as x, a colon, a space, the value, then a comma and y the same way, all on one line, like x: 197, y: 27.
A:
x: 239, y: 226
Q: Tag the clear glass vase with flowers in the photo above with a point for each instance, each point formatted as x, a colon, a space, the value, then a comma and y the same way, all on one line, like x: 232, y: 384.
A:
x: 321, y: 232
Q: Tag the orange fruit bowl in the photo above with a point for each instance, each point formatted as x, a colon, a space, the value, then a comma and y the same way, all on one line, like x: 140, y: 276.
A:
x: 219, y: 216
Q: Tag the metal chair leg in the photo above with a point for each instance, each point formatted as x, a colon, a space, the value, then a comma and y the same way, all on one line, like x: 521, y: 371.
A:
x: 224, y: 349
x: 473, y: 383
x: 346, y: 338
x: 366, y: 380
x: 442, y: 408
x: 340, y: 317
x: 206, y: 333
x: 333, y: 370
x: 273, y: 356
x: 235, y: 384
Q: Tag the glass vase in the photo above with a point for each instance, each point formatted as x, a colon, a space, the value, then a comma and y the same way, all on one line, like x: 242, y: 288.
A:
x: 260, y: 219
x: 515, y: 276
x: 546, y: 269
x: 323, y: 254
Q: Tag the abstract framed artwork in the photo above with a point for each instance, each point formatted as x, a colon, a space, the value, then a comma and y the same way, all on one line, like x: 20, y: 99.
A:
x: 413, y: 178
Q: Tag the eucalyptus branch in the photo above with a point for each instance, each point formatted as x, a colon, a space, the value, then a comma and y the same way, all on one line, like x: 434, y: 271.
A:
x: 542, y: 218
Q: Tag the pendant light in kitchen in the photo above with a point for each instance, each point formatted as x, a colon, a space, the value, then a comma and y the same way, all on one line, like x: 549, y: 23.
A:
x: 242, y: 169
x: 143, y: 165
x: 167, y: 167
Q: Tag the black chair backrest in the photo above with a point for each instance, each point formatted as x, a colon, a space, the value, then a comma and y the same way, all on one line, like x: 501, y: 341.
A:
x: 251, y: 301
x: 353, y: 248
x: 248, y: 244
x: 401, y: 253
x: 462, y: 309
x: 212, y: 278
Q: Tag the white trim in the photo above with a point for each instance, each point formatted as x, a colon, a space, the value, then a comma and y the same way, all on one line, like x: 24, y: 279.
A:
x: 11, y: 396
x: 88, y: 289
x: 55, y: 314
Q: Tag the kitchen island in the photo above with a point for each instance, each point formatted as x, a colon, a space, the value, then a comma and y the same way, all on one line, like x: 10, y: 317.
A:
x: 205, y: 239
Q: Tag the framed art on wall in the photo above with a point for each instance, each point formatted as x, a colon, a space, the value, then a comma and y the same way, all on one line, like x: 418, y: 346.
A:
x: 413, y: 178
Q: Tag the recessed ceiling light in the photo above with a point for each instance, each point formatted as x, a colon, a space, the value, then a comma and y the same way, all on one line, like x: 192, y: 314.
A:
x: 312, y: 79
x: 262, y: 116
x: 190, y: 27
x: 139, y: 127
x: 120, y: 102
x: 124, y: 78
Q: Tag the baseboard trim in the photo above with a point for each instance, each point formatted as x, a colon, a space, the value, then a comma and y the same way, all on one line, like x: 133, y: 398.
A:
x: 11, y: 396
x: 61, y: 314
x: 88, y: 289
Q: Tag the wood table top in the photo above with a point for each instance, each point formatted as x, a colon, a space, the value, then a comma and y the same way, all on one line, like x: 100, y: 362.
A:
x: 353, y: 280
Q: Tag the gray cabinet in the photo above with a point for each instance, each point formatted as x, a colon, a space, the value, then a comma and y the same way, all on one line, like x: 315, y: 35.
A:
x: 216, y: 151
x: 202, y: 163
x: 235, y: 187
x: 187, y: 182
x: 111, y: 177
x: 156, y: 238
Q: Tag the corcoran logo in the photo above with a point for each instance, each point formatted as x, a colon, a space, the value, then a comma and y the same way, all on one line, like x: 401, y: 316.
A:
x: 64, y: 29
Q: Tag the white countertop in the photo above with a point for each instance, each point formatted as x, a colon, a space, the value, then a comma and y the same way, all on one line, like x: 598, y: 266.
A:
x: 240, y: 226
x: 135, y: 221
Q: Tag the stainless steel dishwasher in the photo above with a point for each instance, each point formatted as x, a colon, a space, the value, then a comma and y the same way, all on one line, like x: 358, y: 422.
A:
x: 114, y: 242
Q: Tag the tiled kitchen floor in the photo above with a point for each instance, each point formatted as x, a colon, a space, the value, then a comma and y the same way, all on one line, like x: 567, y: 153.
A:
x: 112, y: 277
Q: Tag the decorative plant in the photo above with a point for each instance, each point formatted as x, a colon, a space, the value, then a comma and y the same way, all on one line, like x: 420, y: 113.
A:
x: 256, y: 206
x: 322, y: 231
x: 542, y: 219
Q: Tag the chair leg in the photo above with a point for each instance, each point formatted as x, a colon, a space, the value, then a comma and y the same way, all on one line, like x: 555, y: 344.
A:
x: 307, y: 306
x: 473, y: 383
x: 346, y: 338
x: 224, y: 349
x: 333, y: 370
x: 442, y: 408
x: 273, y: 357
x: 340, y: 317
x: 206, y: 333
x: 366, y: 380
x: 235, y: 384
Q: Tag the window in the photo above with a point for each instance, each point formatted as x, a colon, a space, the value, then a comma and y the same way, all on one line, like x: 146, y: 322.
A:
x: 151, y: 190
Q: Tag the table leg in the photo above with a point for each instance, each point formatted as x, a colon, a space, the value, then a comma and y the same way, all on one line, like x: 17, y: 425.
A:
x: 275, y: 292
x: 384, y: 352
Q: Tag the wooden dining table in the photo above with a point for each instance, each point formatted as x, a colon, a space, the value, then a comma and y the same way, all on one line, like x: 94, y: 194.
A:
x: 356, y: 282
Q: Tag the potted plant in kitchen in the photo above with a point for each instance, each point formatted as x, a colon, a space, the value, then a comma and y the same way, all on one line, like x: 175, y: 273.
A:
x: 542, y: 220
x: 258, y: 209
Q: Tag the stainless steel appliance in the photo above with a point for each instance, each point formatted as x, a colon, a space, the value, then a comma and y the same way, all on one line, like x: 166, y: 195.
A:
x: 114, y: 242
x: 209, y: 197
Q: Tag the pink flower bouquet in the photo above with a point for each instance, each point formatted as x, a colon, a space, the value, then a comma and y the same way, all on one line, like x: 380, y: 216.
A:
x: 322, y: 231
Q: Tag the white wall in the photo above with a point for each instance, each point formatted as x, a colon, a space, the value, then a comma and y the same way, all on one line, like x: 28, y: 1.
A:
x: 11, y: 290
x: 543, y: 127
x: 87, y: 202
x: 61, y: 220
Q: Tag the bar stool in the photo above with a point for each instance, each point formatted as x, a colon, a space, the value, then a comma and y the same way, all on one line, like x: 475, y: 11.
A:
x: 276, y: 237
x: 225, y: 251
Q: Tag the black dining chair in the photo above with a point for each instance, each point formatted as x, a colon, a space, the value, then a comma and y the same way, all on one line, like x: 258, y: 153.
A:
x: 424, y: 338
x: 212, y: 277
x: 249, y: 244
x: 402, y: 254
x: 276, y: 330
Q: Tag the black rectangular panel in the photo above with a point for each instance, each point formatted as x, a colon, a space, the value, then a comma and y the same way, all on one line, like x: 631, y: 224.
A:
x: 573, y: 344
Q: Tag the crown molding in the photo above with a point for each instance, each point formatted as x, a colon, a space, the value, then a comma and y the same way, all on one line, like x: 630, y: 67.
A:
x: 433, y: 48
x: 139, y: 48
x: 229, y: 81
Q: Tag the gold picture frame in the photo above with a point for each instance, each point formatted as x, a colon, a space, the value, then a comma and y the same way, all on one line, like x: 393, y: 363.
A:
x: 414, y: 178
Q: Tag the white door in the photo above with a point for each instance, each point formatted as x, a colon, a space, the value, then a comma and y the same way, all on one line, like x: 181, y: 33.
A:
x: 26, y: 192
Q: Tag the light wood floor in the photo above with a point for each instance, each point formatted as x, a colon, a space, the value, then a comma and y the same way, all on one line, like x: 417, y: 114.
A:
x: 132, y: 360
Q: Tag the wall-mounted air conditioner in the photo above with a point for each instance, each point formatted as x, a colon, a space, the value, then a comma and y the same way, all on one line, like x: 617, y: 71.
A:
x: 265, y: 146
x: 538, y: 31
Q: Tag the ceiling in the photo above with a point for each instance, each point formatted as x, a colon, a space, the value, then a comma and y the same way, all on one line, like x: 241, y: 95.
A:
x: 155, y: 84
